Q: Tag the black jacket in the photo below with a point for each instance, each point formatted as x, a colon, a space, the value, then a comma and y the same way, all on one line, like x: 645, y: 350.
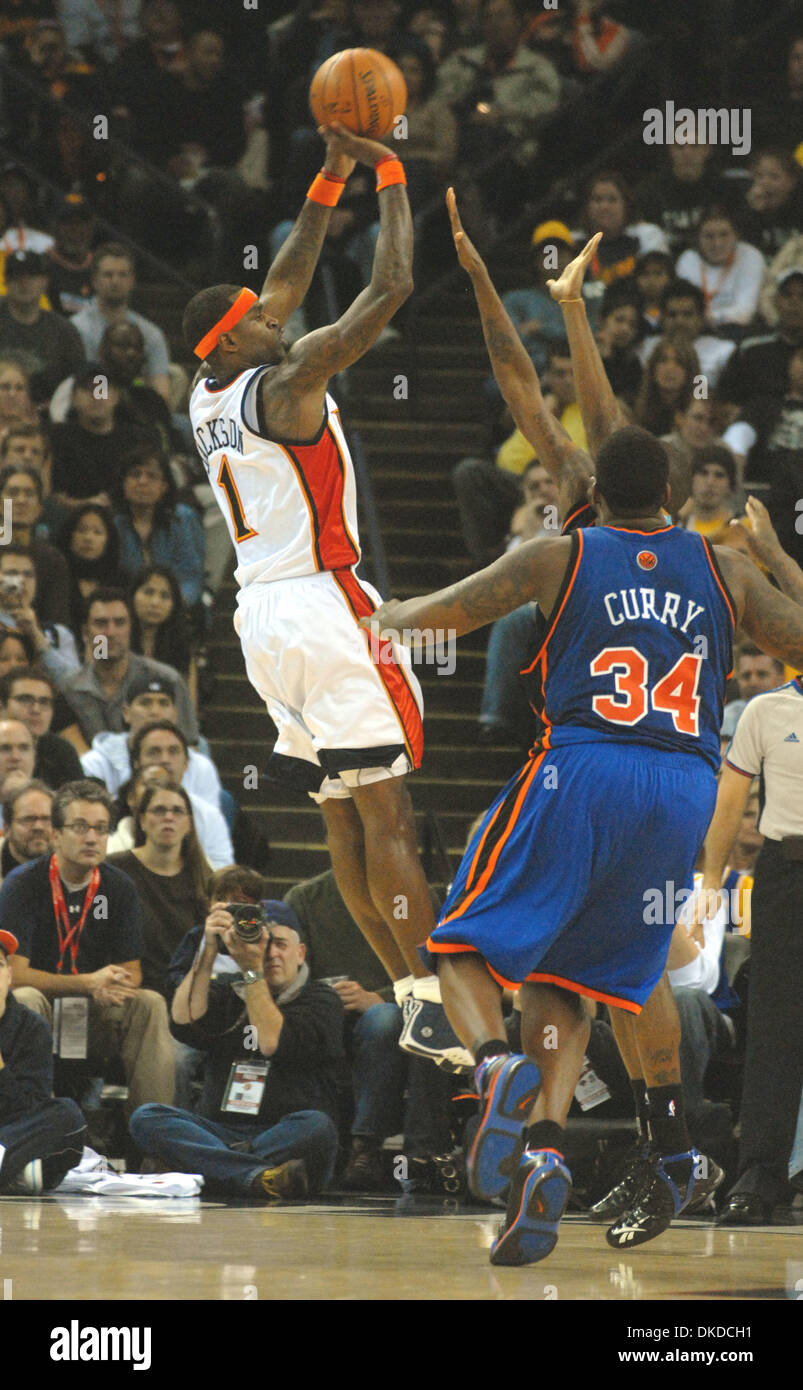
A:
x: 26, y: 1046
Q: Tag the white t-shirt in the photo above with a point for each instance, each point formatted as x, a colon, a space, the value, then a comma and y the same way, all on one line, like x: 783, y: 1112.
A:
x: 769, y: 740
x: 731, y: 291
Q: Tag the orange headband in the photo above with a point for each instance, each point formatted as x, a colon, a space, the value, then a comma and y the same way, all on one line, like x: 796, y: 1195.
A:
x: 245, y: 300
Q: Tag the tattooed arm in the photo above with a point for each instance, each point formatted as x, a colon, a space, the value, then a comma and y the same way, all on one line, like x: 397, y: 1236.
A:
x: 599, y: 407
x: 517, y: 378
x: 293, y: 393
x: 774, y: 621
x: 767, y: 549
x: 289, y: 277
x: 534, y: 571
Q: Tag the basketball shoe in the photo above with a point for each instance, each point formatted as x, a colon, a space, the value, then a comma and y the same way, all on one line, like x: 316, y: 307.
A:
x: 538, y: 1197
x: 426, y: 1031
x: 637, y: 1170
x: 677, y: 1183
x: 508, y: 1087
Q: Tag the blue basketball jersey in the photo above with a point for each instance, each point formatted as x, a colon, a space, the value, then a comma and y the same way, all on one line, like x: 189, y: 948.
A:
x: 638, y: 644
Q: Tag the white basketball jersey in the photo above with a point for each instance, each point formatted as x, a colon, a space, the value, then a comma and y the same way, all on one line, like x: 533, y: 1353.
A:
x: 291, y: 509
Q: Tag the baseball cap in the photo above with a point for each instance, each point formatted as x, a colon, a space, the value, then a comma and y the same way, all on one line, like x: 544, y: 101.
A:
x: 283, y: 915
x: 150, y: 685
x: 20, y: 263
x: 789, y: 275
x: 8, y: 942
x: 552, y: 231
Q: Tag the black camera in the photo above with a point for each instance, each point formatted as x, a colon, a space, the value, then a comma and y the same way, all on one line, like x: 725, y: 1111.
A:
x: 249, y: 919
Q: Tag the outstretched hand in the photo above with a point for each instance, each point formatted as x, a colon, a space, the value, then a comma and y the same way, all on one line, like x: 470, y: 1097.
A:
x: 762, y: 540
x: 467, y: 253
x: 341, y: 144
x: 569, y: 285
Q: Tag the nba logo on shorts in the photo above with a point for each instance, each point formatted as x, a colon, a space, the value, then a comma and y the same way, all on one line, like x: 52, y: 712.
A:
x: 646, y: 560
x: 671, y: 1108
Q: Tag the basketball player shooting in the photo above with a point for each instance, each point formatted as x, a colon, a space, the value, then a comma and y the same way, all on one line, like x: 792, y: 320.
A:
x: 347, y: 710
x: 632, y: 709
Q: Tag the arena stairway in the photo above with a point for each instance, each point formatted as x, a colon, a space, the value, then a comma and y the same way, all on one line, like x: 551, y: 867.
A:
x: 412, y: 444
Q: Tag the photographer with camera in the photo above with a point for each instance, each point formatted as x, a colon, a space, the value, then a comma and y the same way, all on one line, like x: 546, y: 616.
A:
x: 54, y: 644
x: 266, y: 1127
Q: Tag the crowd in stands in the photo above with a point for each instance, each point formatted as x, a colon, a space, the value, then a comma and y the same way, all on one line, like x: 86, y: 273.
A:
x: 113, y: 549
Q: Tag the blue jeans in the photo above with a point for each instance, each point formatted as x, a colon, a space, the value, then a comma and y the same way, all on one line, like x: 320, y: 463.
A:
x: 503, y: 698
x: 193, y: 1144
x: 380, y: 1073
x: 54, y: 1132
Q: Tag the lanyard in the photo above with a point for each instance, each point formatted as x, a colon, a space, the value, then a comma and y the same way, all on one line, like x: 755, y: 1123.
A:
x: 69, y: 937
x: 724, y: 271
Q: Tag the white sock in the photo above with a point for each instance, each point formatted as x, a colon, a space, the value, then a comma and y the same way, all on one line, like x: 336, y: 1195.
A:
x: 401, y: 988
x: 428, y: 989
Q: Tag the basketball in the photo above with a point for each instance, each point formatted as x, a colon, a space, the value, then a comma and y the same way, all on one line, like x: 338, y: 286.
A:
x: 360, y: 88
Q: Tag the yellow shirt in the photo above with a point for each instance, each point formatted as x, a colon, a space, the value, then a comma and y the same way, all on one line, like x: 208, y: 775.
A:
x: 517, y: 452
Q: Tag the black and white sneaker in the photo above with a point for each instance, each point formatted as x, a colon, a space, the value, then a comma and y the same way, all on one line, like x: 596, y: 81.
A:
x: 679, y: 1183
x: 427, y: 1032
x: 638, y: 1170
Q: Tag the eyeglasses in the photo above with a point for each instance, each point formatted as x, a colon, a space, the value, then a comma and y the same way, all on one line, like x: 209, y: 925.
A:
x: 28, y: 822
x: 166, y: 811
x: 81, y: 827
x: 31, y: 701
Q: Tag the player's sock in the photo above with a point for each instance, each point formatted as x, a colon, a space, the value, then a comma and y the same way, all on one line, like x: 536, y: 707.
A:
x: 639, y: 1089
x: 667, y: 1119
x: 544, y: 1134
x: 401, y: 988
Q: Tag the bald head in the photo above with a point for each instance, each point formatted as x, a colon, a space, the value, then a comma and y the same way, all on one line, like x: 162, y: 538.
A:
x: 17, y: 755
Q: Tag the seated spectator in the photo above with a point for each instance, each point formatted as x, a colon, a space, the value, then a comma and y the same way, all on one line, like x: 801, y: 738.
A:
x: 654, y: 272
x: 16, y: 402
x: 171, y: 873
x: 790, y: 258
x: 675, y: 196
x: 97, y: 692
x: 777, y: 454
x: 599, y: 42
x: 160, y: 624
x: 275, y: 1137
x: 122, y: 350
x: 380, y: 1072
x: 65, y: 96
x: 773, y: 211
x: 759, y: 367
x: 22, y: 485
x: 609, y: 209
x: 498, y: 91
x: 17, y: 755
x: 161, y: 744
x: 53, y: 643
x: 153, y: 527
x: 683, y: 315
x: 695, y: 429
x: 668, y: 384
x: 102, y: 33
x: 27, y: 825
x: 92, y: 550
x: 431, y: 145
x: 532, y: 308
x: 113, y: 281
x: 728, y: 271
x: 50, y: 344
x: 18, y: 193
x: 16, y: 651
x: 28, y: 444
x: 99, y: 959
x: 88, y: 445
x: 779, y: 115
x: 109, y: 758
x: 69, y: 260
x: 618, y: 334
x: 41, y: 1139
x: 713, y: 480
x: 30, y: 696
x: 755, y: 673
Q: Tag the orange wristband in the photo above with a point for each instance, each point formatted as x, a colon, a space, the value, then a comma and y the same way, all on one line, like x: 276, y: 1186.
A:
x: 326, y: 189
x: 388, y: 171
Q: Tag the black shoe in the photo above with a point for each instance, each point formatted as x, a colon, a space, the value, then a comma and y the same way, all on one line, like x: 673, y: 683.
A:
x: 363, y: 1171
x: 662, y: 1197
x: 745, y: 1209
x: 705, y: 1187
x: 626, y: 1191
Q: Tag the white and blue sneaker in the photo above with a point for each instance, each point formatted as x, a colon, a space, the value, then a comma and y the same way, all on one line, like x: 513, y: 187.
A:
x: 427, y: 1032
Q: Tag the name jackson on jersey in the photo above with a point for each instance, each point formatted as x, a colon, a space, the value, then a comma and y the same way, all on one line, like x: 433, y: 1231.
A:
x: 223, y: 432
x: 629, y: 605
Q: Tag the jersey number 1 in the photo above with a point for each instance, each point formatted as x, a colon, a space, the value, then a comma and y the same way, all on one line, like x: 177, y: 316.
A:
x: 242, y: 531
x: 675, y: 694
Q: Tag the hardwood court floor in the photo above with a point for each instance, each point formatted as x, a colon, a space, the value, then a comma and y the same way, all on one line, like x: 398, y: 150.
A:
x: 375, y: 1248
